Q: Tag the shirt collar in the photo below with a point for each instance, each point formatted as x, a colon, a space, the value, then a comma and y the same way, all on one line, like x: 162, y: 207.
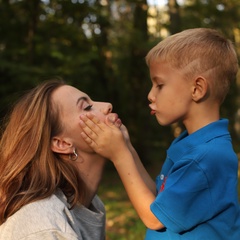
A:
x: 184, y: 141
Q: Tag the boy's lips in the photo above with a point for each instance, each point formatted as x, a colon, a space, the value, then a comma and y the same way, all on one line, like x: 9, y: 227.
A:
x: 153, y: 112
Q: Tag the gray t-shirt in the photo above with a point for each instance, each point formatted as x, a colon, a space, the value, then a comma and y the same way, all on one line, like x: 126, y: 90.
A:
x: 50, y: 219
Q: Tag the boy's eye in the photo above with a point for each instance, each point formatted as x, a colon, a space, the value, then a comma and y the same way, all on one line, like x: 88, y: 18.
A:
x: 88, y: 108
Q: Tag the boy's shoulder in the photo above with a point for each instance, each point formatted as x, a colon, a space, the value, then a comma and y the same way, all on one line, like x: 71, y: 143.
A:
x: 212, y: 144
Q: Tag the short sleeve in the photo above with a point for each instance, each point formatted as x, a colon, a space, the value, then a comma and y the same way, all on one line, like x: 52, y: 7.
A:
x: 185, y: 200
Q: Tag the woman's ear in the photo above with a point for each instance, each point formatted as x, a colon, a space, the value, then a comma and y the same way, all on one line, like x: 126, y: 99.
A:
x: 60, y: 145
x: 200, y: 89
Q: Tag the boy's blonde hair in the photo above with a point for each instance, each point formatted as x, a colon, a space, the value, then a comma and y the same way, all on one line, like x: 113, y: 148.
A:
x: 200, y: 51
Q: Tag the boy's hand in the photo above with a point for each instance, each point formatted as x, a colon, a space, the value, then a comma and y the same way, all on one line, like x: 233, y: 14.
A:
x: 125, y: 134
x: 105, y: 139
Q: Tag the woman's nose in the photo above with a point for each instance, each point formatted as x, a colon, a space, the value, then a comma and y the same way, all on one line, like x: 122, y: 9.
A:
x: 107, y: 108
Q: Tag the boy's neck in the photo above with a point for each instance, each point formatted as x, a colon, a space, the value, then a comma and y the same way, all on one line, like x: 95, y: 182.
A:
x: 201, y: 116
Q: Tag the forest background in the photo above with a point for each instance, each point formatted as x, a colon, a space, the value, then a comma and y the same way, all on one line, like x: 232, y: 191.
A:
x: 99, y: 47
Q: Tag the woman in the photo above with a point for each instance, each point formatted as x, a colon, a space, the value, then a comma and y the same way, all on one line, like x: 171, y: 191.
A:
x: 49, y: 176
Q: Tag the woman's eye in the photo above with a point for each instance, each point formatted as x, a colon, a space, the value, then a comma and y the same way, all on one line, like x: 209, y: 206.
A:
x: 88, y: 108
x: 159, y: 86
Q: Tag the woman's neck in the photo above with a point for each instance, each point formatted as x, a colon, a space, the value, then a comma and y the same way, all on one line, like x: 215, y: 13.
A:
x: 91, y: 168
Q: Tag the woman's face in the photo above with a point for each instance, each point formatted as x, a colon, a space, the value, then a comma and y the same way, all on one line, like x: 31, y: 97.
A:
x: 72, y: 103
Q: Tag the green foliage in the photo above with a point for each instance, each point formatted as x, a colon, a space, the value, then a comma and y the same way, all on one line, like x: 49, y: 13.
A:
x: 99, y: 47
x: 220, y: 14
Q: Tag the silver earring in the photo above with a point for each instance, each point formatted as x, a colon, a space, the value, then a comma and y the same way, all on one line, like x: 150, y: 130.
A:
x: 73, y: 156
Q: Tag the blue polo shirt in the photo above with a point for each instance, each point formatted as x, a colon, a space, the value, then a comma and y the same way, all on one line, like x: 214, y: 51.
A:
x: 197, y: 188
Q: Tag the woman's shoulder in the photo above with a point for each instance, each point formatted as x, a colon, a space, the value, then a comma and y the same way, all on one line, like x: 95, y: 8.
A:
x: 42, y: 209
x: 39, y: 216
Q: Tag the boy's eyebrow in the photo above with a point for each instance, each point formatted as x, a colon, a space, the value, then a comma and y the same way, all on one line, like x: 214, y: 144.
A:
x: 156, y: 78
x: 81, y: 99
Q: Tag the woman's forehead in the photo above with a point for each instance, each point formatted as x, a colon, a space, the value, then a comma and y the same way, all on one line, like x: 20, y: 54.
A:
x: 68, y: 91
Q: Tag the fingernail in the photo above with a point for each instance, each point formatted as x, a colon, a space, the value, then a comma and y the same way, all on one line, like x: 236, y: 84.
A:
x: 111, y: 118
x: 82, y: 116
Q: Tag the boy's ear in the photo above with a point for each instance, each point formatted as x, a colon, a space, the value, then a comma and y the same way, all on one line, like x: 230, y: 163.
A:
x: 199, y: 89
x: 60, y: 145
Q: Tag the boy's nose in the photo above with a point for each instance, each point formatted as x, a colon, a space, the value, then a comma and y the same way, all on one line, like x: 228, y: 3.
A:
x: 151, y: 97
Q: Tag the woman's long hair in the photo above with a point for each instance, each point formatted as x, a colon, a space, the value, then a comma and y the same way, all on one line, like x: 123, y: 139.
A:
x: 29, y: 170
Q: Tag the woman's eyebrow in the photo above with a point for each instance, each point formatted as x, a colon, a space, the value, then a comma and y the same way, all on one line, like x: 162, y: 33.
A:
x: 81, y: 99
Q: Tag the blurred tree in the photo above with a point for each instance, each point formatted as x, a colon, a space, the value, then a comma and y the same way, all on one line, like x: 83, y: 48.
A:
x: 174, y: 16
x: 129, y: 83
x: 39, y: 39
x: 99, y: 46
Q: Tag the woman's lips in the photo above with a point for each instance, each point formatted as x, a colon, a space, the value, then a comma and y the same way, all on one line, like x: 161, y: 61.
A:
x: 118, y: 122
x: 115, y: 119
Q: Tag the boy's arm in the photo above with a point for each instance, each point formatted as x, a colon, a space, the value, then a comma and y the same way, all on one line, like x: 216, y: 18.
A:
x: 139, y: 193
x: 109, y: 142
x: 142, y: 171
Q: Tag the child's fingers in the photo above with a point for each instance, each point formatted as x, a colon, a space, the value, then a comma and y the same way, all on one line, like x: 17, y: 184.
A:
x: 92, y: 122
x: 89, y: 136
x: 88, y: 131
x: 87, y: 139
x: 93, y: 118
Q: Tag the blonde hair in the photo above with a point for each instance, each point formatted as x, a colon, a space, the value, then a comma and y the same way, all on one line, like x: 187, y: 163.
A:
x: 29, y: 170
x: 201, y: 51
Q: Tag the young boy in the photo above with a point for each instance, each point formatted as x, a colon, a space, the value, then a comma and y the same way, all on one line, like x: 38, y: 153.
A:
x: 195, y: 195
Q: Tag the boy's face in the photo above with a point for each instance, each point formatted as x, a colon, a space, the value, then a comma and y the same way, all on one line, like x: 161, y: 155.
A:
x: 170, y: 96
